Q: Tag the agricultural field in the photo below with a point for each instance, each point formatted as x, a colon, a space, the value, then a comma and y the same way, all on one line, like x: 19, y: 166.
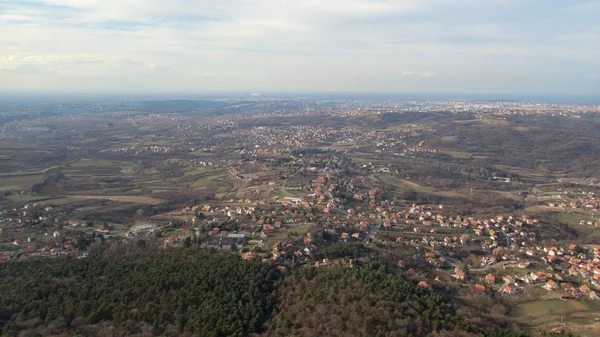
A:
x: 18, y: 181
x: 580, y: 317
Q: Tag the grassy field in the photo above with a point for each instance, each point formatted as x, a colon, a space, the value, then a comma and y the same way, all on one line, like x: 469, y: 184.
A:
x: 26, y: 197
x: 280, y: 192
x: 19, y: 181
x: 458, y: 154
x: 570, y: 217
x: 543, y: 209
x: 587, y: 234
x: 120, y: 198
x: 85, y: 163
x: 578, y: 316
x: 545, y: 307
x: 427, y: 189
x: 508, y: 195
x: 282, y: 234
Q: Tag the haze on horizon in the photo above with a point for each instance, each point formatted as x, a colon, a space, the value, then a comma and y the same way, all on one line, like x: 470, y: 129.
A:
x: 127, y: 46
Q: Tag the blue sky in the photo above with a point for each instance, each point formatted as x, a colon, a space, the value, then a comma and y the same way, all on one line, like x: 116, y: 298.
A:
x: 429, y: 46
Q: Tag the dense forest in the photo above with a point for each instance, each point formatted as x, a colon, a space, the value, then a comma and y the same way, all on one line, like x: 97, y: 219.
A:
x: 358, y: 302
x: 203, y: 293
x: 195, y: 292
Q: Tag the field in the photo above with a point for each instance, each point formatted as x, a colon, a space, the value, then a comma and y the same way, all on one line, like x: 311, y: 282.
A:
x: 545, y: 307
x: 569, y: 217
x: 282, y: 235
x: 26, y: 197
x: 578, y: 316
x: 120, y: 198
x: 18, y: 181
x: 458, y: 154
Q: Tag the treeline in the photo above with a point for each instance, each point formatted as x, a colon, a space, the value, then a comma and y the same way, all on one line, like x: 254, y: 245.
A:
x: 177, y: 292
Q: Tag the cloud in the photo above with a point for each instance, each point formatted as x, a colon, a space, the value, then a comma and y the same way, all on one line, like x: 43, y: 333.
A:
x: 301, y: 45
x: 91, y: 64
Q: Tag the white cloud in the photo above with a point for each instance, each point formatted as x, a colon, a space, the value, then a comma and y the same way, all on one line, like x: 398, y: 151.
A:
x: 14, y: 17
x: 296, y: 45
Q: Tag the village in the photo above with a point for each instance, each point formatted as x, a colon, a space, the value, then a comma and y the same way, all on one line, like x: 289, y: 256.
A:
x: 502, y: 254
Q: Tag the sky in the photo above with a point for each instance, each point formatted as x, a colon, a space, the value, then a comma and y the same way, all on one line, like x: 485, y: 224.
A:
x: 426, y: 46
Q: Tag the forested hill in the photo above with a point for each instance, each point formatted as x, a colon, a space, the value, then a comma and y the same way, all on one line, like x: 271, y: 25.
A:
x: 193, y: 292
x: 204, y: 293
x: 357, y: 302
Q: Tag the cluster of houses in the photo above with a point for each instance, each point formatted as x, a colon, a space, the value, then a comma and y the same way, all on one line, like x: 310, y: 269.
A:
x: 583, y: 201
x: 296, y: 136
x: 37, y: 231
x: 146, y: 149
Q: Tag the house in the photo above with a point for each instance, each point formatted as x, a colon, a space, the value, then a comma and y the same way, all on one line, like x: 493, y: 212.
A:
x: 424, y: 285
x: 573, y: 271
x: 550, y: 285
x: 508, y: 279
x: 459, y: 275
x: 506, y: 290
x: 479, y: 288
x: 490, y: 279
